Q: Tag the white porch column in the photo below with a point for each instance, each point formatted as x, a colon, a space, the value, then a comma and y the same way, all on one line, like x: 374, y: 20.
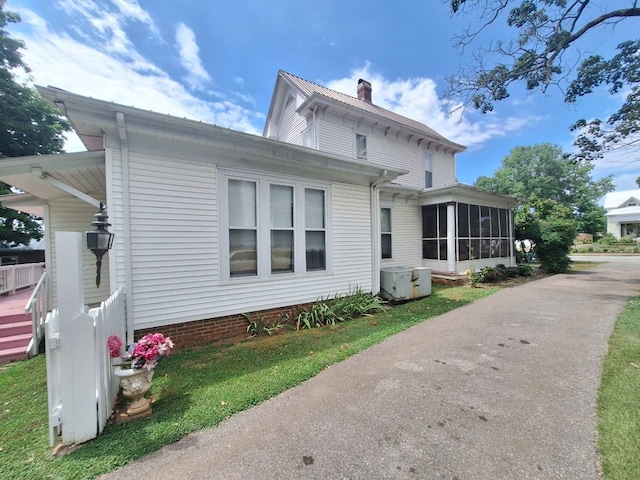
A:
x: 451, y: 236
x: 512, y: 258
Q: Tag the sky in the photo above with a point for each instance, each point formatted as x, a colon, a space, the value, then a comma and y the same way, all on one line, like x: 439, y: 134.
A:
x: 217, y: 61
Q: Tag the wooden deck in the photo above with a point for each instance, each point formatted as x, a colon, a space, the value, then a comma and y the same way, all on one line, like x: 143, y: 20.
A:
x: 15, y: 326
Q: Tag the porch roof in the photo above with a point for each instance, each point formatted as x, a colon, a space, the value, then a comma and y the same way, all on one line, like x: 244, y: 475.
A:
x: 82, y: 171
x: 456, y: 192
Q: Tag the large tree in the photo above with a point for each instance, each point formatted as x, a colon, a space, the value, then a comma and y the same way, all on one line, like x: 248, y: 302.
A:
x: 544, y: 172
x: 543, y: 53
x: 28, y: 126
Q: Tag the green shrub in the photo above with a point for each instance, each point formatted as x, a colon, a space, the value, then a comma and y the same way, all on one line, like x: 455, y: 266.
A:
x: 340, y: 308
x: 607, y: 239
x: 261, y: 326
x: 626, y: 240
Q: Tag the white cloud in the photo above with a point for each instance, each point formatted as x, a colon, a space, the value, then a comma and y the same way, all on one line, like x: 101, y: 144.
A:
x: 416, y: 98
x: 59, y: 60
x: 189, y: 57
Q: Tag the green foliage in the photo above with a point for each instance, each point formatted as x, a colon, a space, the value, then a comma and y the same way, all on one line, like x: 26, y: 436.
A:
x: 552, y: 228
x: 28, y: 126
x: 618, y: 399
x: 498, y: 274
x: 545, y: 32
x: 607, y: 239
x: 197, y: 389
x: 261, y: 326
x: 545, y: 172
x: 340, y: 308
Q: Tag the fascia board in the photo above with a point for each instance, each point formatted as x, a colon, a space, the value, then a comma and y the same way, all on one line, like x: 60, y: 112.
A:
x: 316, y: 98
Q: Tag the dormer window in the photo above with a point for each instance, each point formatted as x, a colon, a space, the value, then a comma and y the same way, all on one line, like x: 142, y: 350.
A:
x: 361, y: 146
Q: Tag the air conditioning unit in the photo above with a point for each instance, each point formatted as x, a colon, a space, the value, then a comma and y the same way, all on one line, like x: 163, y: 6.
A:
x: 399, y: 284
x: 395, y: 283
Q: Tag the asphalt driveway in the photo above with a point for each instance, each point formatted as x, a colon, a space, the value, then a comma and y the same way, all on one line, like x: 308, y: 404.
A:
x: 501, y: 389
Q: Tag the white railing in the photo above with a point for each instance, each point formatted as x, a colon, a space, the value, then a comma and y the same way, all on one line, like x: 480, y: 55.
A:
x: 38, y: 306
x: 96, y: 386
x: 15, y: 277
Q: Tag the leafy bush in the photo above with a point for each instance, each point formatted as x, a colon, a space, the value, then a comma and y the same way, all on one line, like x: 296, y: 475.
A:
x: 498, y: 273
x: 261, y: 326
x: 329, y: 311
x: 627, y: 240
x: 607, y: 239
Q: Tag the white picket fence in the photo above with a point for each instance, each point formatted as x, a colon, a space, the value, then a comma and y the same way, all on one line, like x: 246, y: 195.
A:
x: 15, y: 277
x: 81, y: 385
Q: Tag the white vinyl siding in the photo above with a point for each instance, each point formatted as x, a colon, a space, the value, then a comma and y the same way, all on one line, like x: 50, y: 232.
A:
x: 69, y: 214
x: 335, y: 139
x: 407, y: 234
x: 175, y: 248
x: 174, y: 239
x: 291, y: 124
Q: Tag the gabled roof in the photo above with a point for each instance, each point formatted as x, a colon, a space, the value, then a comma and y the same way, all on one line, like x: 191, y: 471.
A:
x: 619, y: 199
x: 313, y: 91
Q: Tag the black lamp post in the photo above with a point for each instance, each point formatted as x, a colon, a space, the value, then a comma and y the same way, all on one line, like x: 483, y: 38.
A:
x: 99, y: 240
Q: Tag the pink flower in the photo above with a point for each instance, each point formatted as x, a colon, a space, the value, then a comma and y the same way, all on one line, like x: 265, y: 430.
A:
x: 114, y: 344
x: 149, y: 349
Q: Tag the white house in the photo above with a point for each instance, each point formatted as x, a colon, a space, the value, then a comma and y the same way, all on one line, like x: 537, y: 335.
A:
x: 211, y: 223
x: 623, y: 213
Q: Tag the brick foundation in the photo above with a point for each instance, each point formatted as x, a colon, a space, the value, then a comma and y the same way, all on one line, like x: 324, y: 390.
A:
x: 200, y: 332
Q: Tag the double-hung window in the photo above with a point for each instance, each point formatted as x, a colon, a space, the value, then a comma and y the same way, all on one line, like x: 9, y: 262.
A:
x: 385, y: 232
x: 428, y: 169
x: 282, y: 231
x: 315, y: 230
x: 361, y: 146
x: 243, y: 228
x: 273, y: 226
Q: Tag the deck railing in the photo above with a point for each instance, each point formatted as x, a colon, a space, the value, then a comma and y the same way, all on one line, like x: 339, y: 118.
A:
x: 38, y: 306
x: 16, y: 277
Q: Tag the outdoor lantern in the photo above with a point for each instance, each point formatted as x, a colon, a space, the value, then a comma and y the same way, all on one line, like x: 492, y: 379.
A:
x: 99, y: 240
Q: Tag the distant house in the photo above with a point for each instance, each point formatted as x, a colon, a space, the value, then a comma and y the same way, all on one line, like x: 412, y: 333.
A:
x: 211, y: 223
x: 623, y: 213
x: 33, y: 252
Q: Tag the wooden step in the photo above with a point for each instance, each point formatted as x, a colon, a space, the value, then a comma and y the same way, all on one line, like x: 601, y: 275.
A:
x: 15, y: 328
x: 15, y: 341
x: 13, y: 354
x: 14, y: 317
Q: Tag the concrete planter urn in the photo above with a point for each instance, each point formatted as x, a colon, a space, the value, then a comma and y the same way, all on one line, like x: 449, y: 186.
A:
x: 135, y: 383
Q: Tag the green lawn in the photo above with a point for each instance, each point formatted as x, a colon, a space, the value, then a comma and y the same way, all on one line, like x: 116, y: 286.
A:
x: 194, y: 389
x: 619, y: 399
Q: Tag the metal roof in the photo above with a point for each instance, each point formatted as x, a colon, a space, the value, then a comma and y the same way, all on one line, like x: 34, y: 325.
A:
x: 309, y: 88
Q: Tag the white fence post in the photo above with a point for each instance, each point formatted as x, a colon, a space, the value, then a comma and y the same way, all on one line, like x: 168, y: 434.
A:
x: 77, y: 344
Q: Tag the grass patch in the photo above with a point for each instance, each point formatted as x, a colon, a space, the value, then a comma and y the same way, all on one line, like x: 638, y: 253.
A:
x: 194, y: 389
x: 619, y: 398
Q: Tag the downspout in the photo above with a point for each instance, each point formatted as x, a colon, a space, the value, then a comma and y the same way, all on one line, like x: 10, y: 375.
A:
x: 375, y: 232
x: 316, y: 143
x: 126, y: 224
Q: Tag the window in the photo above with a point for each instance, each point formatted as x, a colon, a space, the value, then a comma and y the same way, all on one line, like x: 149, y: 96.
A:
x: 361, y: 146
x: 243, y: 227
x: 273, y: 227
x: 482, y: 232
x: 282, y: 233
x: 385, y: 232
x: 315, y: 238
x: 428, y: 169
x: 309, y: 137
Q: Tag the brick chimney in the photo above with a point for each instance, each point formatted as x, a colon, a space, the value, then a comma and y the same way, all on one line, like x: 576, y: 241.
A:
x: 364, y: 90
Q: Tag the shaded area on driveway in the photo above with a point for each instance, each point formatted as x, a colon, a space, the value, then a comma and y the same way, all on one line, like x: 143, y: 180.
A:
x: 503, y: 388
